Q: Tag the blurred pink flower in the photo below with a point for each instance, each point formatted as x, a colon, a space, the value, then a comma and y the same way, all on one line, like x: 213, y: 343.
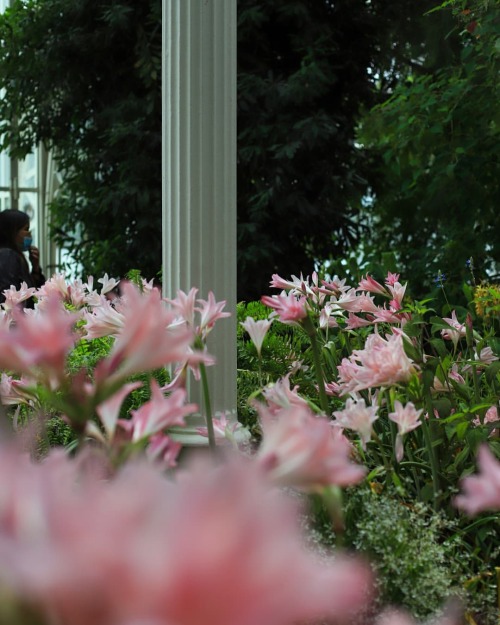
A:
x: 210, y: 311
x: 56, y: 286
x: 184, y: 304
x: 227, y: 430
x: 159, y: 413
x: 218, y: 546
x: 279, y: 395
x: 12, y: 390
x: 147, y: 340
x: 163, y: 450
x: 303, y: 450
x: 38, y: 344
x: 108, y: 284
x: 354, y: 322
x: 103, y: 320
x: 491, y: 416
x: 359, y: 417
x: 481, y: 492
x: 397, y: 291
x: 382, y: 362
x: 289, y: 308
x: 257, y: 330
x: 109, y: 411
x: 191, y: 361
x: 14, y: 296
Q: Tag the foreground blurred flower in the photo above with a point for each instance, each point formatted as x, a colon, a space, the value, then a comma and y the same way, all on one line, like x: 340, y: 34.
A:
x: 147, y: 340
x: 38, y: 344
x: 219, y: 547
x: 482, y: 491
x: 158, y: 413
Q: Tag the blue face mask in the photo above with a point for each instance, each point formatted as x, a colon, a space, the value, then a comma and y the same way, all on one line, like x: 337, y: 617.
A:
x: 27, y: 242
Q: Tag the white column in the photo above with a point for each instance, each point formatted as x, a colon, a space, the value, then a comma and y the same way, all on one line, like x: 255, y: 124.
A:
x: 199, y: 169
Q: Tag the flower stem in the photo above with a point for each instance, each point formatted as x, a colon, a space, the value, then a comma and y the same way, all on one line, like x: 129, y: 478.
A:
x: 208, y: 407
x: 318, y: 369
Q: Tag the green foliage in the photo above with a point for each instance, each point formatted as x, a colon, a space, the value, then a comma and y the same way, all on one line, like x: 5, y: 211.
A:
x: 84, y: 78
x: 305, y: 71
x: 434, y: 146
x: 417, y: 555
x: 283, y: 346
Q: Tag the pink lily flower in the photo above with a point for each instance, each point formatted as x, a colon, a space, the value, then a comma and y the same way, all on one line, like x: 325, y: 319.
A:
x: 108, y: 284
x: 109, y: 411
x: 163, y: 451
x: 147, y: 340
x: 184, y: 304
x: 456, y: 331
x: 210, y: 311
x: 359, y: 417
x: 407, y: 419
x: 257, y: 330
x: 371, y: 285
x: 397, y: 291
x: 295, y: 284
x: 38, y: 344
x: 303, y: 450
x: 383, y: 362
x: 14, y: 296
x: 481, y: 492
x: 159, y: 413
x: 279, y: 395
x: 289, y: 308
x: 103, y: 320
x: 392, y: 278
x: 227, y: 430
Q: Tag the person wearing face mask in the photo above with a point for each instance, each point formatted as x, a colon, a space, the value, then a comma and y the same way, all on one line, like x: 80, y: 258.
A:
x: 15, y: 238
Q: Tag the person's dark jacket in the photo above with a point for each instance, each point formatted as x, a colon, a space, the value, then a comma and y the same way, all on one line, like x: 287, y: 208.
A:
x: 14, y: 270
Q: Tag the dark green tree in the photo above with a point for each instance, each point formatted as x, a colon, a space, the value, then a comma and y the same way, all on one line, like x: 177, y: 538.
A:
x: 84, y: 78
x: 436, y: 166
x: 307, y: 68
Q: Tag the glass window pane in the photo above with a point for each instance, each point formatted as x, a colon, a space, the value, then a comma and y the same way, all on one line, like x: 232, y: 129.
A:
x: 28, y: 202
x: 28, y: 172
x: 4, y: 170
x: 5, y: 200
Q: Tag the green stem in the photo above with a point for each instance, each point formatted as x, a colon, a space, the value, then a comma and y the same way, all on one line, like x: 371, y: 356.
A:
x: 318, y: 369
x: 431, y: 454
x: 387, y: 464
x: 208, y: 407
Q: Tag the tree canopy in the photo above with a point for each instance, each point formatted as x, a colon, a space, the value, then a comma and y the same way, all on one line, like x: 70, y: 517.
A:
x: 434, y: 148
x: 84, y: 78
x: 306, y: 71
x: 362, y: 125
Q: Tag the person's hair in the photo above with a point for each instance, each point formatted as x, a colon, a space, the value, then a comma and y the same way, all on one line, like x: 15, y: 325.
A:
x: 11, y: 221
